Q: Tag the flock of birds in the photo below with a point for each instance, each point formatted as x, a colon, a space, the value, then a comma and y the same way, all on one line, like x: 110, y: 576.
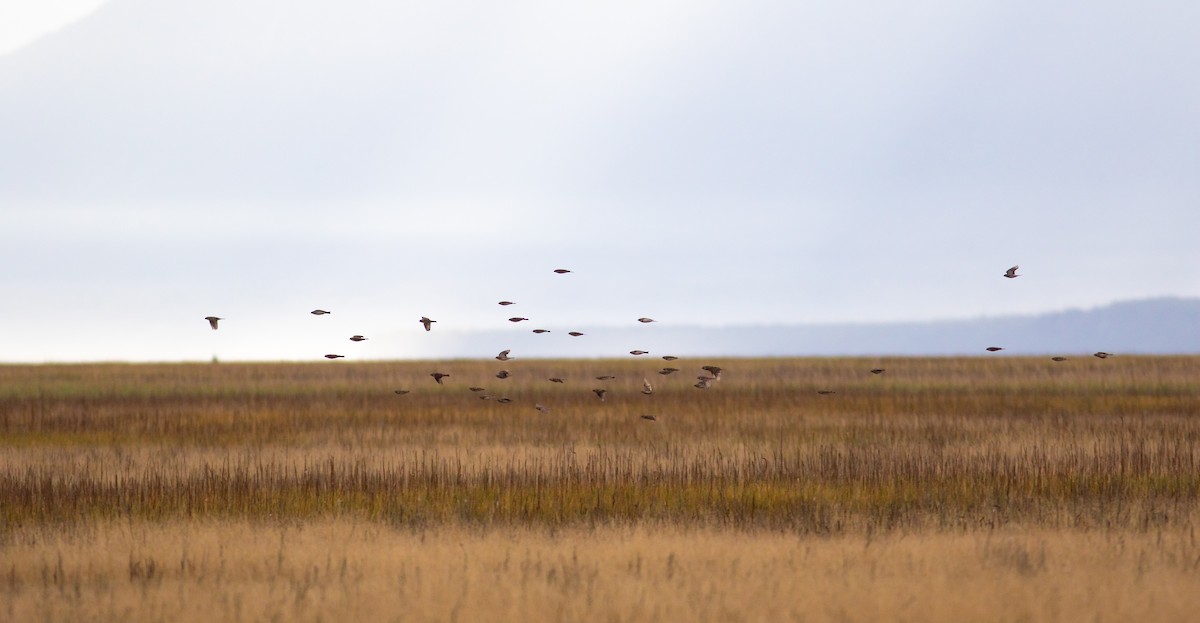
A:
x: 703, y: 381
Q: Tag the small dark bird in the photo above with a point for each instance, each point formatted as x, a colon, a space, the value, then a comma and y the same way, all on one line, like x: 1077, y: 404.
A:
x: 713, y: 370
x: 212, y: 321
x: 541, y: 330
x: 702, y: 382
x: 992, y: 349
x: 825, y: 392
x: 333, y: 356
x: 504, y: 401
x: 605, y: 377
x: 666, y: 371
x: 639, y: 352
x: 1102, y: 355
x: 669, y: 357
x: 561, y: 271
x: 1058, y: 359
x: 475, y: 389
x: 600, y: 393
x: 574, y: 333
x: 1012, y: 272
x: 401, y: 392
x: 555, y: 379
x: 877, y: 370
x: 541, y: 408
x: 644, y: 320
x: 517, y: 319
x: 438, y: 376
x: 357, y: 338
x: 503, y: 374
x: 319, y: 312
x: 503, y: 356
x: 650, y: 417
x: 506, y: 302
x: 427, y: 322
x: 485, y: 396
x: 646, y: 387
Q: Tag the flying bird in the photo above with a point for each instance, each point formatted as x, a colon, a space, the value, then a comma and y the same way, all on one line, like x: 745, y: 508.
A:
x: 541, y: 330
x: 331, y: 356
x: 212, y: 321
x: 504, y: 401
x: 646, y: 387
x: 357, y: 338
x: 702, y: 382
x: 992, y: 349
x: 319, y: 312
x: 503, y: 356
x: 561, y: 271
x: 438, y: 376
x: 475, y: 389
x: 541, y: 408
x: 427, y: 322
x: 600, y: 393
x: 506, y: 302
x: 669, y: 357
x: 1012, y: 272
x: 503, y: 374
x: 639, y: 352
x: 1102, y: 355
x: 555, y: 379
x: 713, y: 370
x: 666, y: 371
x: 574, y: 333
x: 825, y: 392
x: 401, y: 392
x: 877, y: 370
x: 1058, y: 359
x: 650, y: 417
x: 644, y: 320
x: 517, y: 319
x: 605, y: 377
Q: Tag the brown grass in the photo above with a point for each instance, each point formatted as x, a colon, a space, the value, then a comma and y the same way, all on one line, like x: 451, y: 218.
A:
x: 995, y: 474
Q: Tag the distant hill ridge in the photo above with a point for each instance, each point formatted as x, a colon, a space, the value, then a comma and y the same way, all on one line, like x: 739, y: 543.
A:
x: 1148, y: 326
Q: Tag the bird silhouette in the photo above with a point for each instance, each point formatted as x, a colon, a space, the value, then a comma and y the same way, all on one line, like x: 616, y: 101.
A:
x: 503, y: 356
x: 427, y: 322
x: 666, y: 371
x: 506, y: 302
x: 357, y: 338
x: 212, y: 321
x: 1102, y: 355
x: 503, y: 374
x: 574, y: 333
x: 639, y: 352
x: 646, y: 387
x: 1058, y: 359
x: 561, y: 271
x: 650, y: 417
x: 555, y: 379
x: 877, y: 370
x: 332, y: 356
x: 645, y: 320
x: 825, y: 392
x: 669, y: 357
x: 600, y: 393
x: 517, y: 319
x: 541, y: 330
x: 713, y: 370
x: 702, y: 382
x: 605, y: 377
x: 401, y: 391
x: 319, y: 312
x: 475, y: 389
x: 504, y: 401
x: 992, y: 349
x: 1012, y: 272
x: 541, y: 408
x: 438, y: 376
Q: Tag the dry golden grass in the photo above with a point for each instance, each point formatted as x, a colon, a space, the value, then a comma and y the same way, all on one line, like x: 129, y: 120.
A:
x: 998, y: 488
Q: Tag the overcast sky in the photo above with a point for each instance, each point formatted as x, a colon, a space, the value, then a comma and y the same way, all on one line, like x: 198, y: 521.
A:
x: 702, y: 163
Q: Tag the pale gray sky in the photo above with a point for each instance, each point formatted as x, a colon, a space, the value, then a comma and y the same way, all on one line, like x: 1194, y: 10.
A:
x: 704, y: 163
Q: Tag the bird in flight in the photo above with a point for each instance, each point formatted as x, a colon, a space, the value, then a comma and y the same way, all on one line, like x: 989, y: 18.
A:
x: 517, y: 319
x: 574, y: 333
x: 1058, y: 359
x: 504, y: 401
x: 401, y: 392
x: 541, y: 408
x: 561, y: 271
x: 319, y: 312
x: 877, y: 370
x: 555, y: 379
x: 503, y: 374
x: 600, y: 393
x: 503, y: 356
x: 506, y: 302
x: 702, y: 382
x: 357, y: 338
x: 646, y: 387
x: 1012, y: 272
x: 825, y: 392
x: 713, y: 370
x: 639, y: 352
x: 438, y: 376
x: 645, y: 320
x: 541, y: 330
x: 605, y: 377
x: 1102, y: 355
x: 427, y: 322
x: 992, y: 349
x: 650, y: 417
x: 475, y: 389
x: 666, y: 371
x: 212, y: 321
x: 332, y: 356
x: 669, y: 357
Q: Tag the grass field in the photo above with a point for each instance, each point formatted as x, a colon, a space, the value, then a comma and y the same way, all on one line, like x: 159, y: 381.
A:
x: 997, y: 488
